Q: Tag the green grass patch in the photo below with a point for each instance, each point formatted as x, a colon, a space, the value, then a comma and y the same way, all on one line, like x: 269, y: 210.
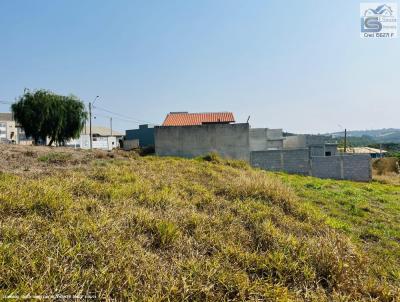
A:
x: 369, y: 213
x: 55, y: 157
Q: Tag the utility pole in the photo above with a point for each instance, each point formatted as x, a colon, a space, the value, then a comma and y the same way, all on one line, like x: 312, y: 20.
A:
x: 90, y: 125
x: 90, y: 122
x: 111, y: 125
x: 345, y: 140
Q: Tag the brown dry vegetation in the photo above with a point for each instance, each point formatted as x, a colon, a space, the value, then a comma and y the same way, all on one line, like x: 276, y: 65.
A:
x: 146, y: 228
x: 386, y: 170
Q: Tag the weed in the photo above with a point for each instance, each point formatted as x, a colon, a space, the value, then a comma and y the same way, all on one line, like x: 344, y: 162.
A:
x: 166, y: 233
x: 55, y: 158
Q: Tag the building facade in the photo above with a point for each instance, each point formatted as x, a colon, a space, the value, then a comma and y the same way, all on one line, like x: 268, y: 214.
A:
x: 10, y: 131
x: 261, y: 139
x: 145, y: 135
x: 228, y: 140
x: 102, y: 138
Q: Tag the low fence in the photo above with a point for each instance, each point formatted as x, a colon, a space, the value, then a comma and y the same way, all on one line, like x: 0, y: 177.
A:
x: 299, y: 161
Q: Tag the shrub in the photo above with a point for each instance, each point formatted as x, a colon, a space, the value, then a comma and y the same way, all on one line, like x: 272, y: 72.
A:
x: 211, y: 157
x: 166, y: 233
x: 386, y: 165
x: 146, y: 151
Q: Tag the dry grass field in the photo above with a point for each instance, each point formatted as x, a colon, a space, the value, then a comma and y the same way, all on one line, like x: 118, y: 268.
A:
x: 124, y: 227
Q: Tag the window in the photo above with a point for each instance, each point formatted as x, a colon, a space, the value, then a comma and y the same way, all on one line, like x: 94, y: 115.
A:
x: 328, y: 153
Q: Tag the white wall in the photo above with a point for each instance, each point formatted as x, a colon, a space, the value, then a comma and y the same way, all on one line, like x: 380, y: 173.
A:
x: 100, y: 142
x: 8, y: 131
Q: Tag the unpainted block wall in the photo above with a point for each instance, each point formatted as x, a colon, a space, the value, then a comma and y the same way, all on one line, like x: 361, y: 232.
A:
x: 326, y: 167
x: 316, y: 139
x: 261, y: 139
x: 318, y: 150
x: 304, y: 141
x: 332, y: 148
x: 350, y: 167
x: 228, y: 140
x: 291, y: 161
x: 299, y: 161
x: 295, y: 142
x: 357, y: 167
x: 258, y: 139
x: 274, y: 134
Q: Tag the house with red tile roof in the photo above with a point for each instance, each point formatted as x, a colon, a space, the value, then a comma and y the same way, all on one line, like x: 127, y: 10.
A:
x: 187, y: 134
x: 193, y: 119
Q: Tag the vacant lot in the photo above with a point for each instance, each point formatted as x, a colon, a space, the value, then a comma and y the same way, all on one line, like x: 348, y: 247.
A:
x: 116, y: 225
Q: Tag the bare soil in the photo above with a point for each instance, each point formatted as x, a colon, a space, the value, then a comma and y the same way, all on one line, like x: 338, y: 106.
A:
x: 34, y: 160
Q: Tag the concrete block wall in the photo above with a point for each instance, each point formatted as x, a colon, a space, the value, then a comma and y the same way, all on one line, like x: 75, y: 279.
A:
x: 322, y: 150
x: 228, y: 140
x: 299, y: 161
x: 273, y: 134
x: 291, y: 161
x: 295, y: 142
x: 305, y: 141
x: 350, y: 167
x: 332, y: 148
x: 318, y: 150
x: 326, y: 167
x: 268, y: 160
x: 130, y: 144
x: 261, y: 139
x: 357, y: 167
x: 258, y: 139
x: 296, y: 161
x: 234, y: 141
x: 275, y: 144
x: 316, y: 139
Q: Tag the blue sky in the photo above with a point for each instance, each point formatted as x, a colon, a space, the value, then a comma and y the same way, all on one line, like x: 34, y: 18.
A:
x: 296, y: 65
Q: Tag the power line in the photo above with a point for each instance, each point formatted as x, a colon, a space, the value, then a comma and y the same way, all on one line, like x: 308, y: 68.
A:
x: 117, y: 118
x: 124, y: 116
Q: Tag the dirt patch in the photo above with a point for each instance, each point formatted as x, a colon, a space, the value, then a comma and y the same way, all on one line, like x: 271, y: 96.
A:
x: 29, y: 160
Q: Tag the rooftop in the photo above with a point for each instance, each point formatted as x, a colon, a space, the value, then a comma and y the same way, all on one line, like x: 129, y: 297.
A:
x: 101, y: 131
x: 192, y: 119
x: 6, y: 116
x: 363, y: 150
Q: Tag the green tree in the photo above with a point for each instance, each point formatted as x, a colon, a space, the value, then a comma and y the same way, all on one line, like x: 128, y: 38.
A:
x: 43, y: 114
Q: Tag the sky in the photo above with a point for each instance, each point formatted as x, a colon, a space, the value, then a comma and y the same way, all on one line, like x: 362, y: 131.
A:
x: 296, y: 65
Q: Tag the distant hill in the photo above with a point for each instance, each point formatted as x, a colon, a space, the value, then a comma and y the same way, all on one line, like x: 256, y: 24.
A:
x: 390, y: 135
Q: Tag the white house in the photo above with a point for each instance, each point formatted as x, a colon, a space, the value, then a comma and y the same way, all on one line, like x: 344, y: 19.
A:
x: 103, y: 138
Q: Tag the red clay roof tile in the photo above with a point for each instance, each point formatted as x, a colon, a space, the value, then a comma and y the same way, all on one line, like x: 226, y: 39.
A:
x: 192, y: 119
